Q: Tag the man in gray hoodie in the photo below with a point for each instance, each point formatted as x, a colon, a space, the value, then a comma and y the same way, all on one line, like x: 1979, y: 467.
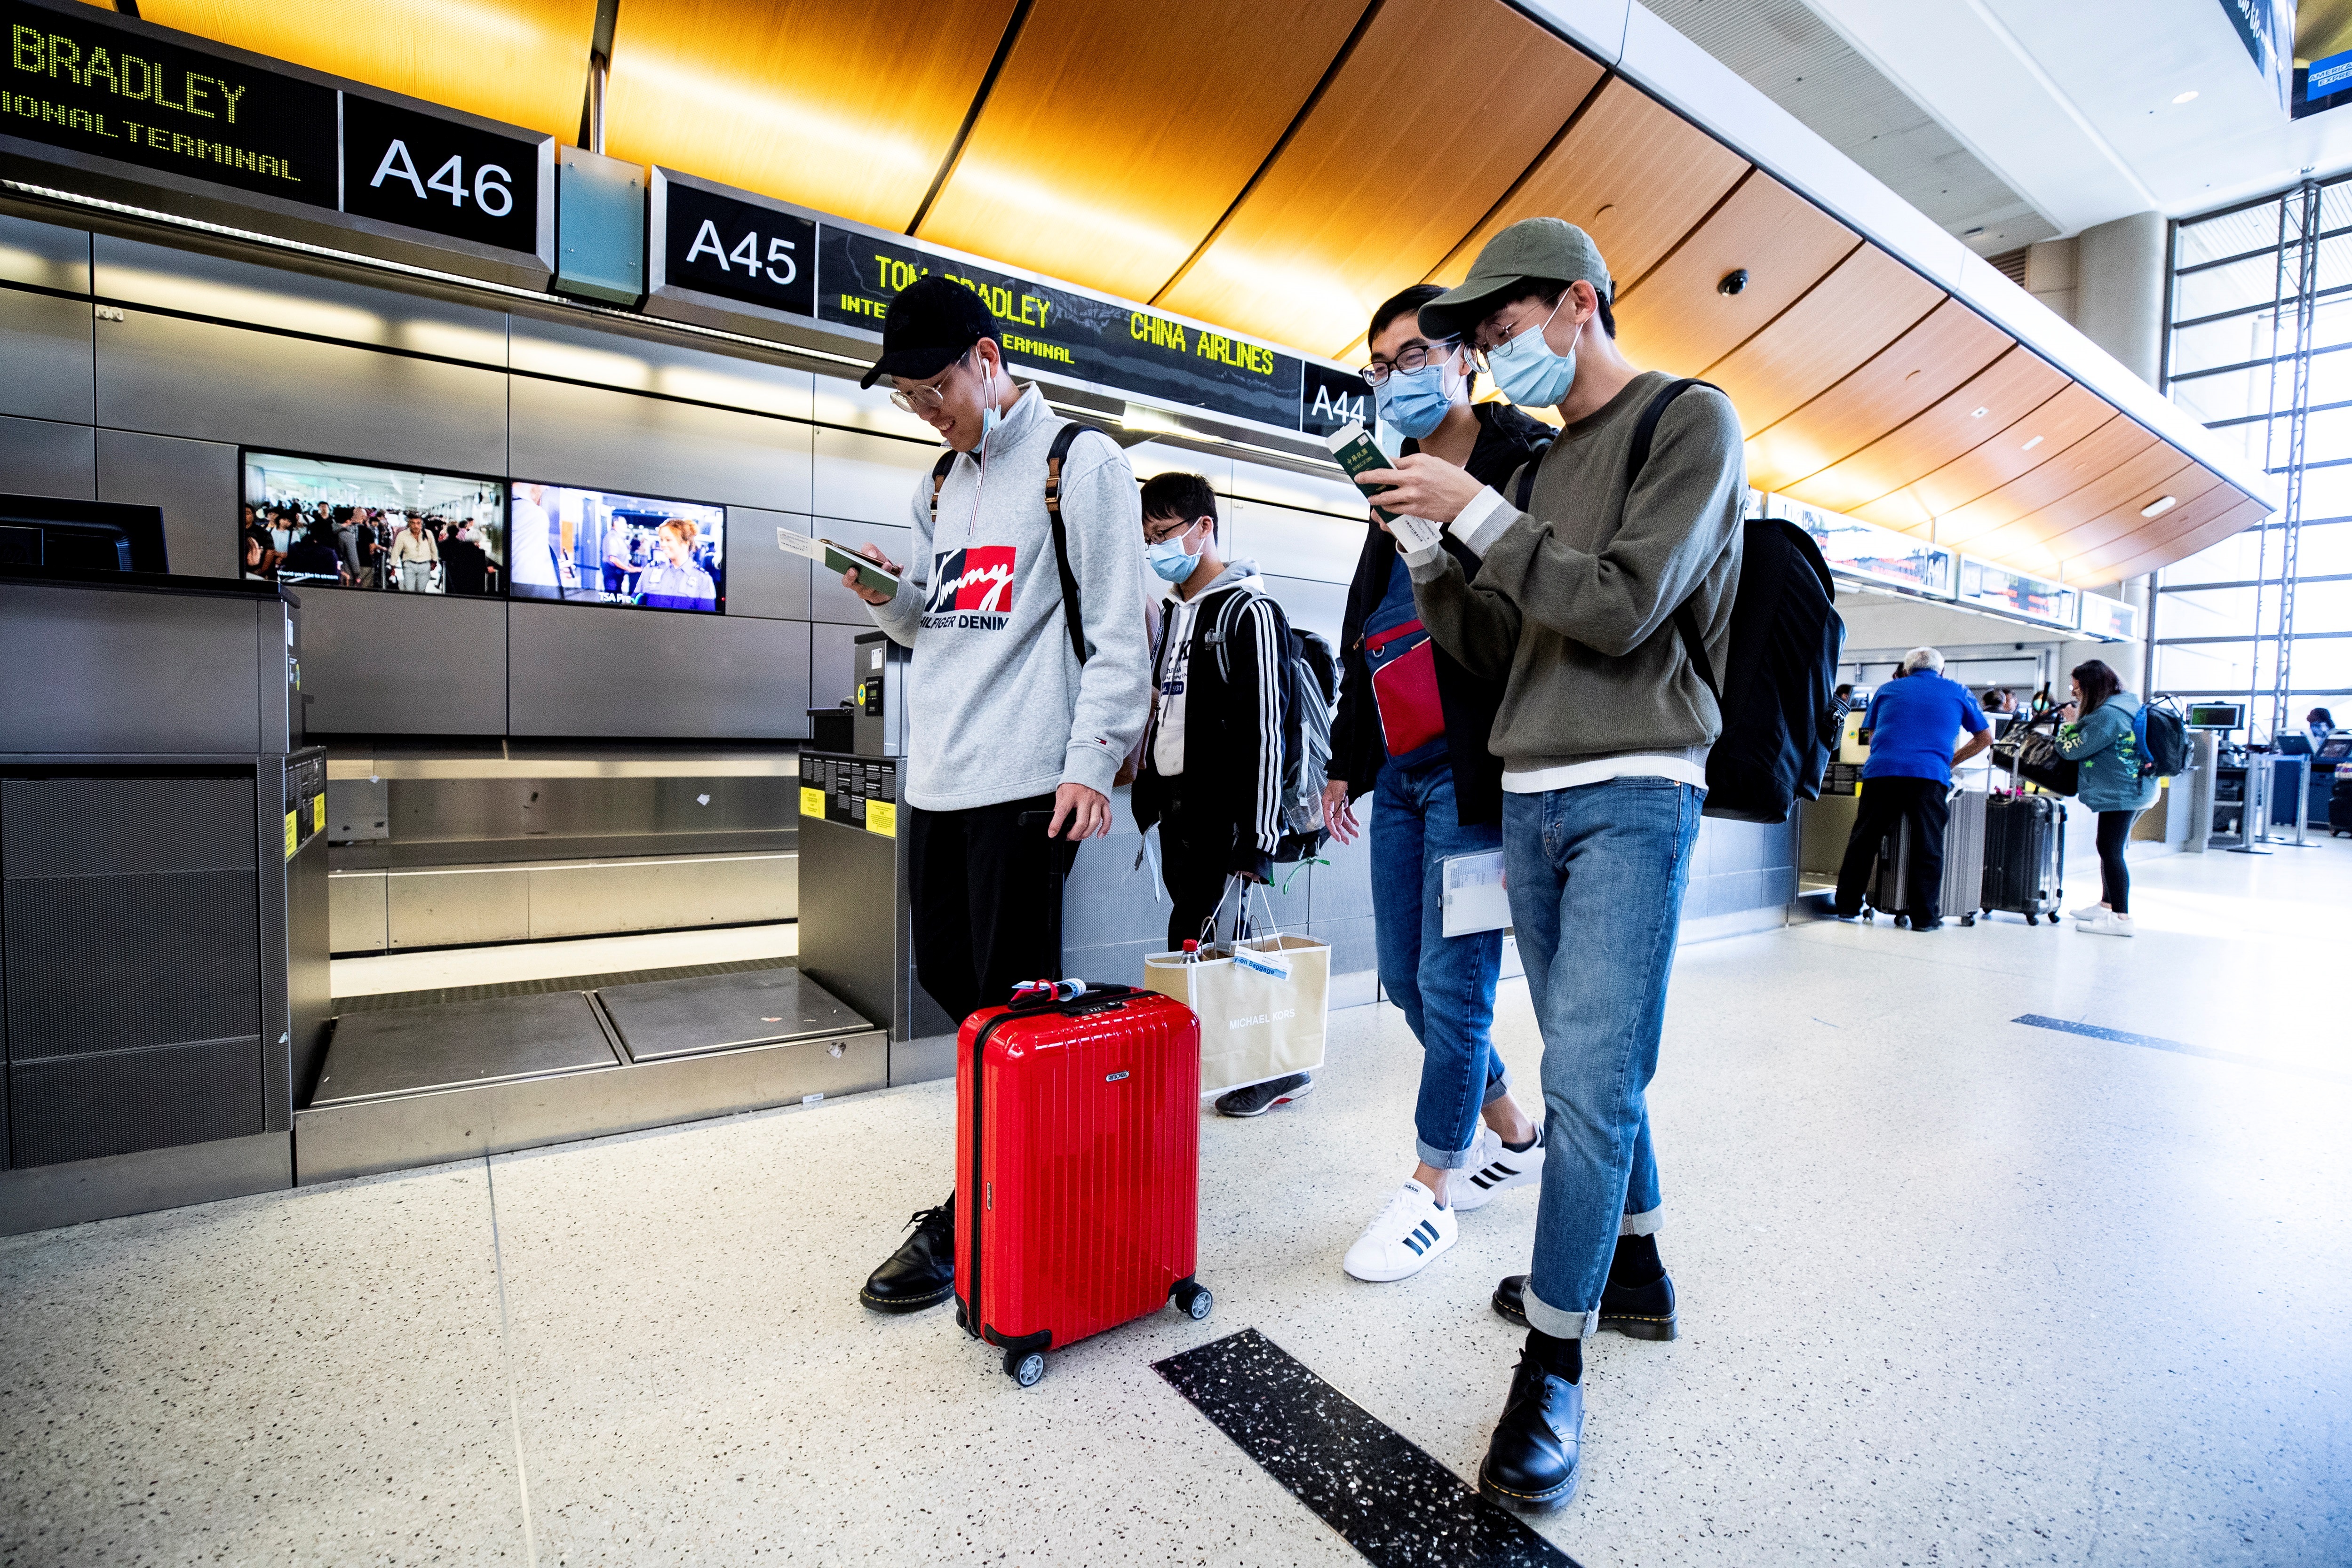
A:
x: 1013, y: 738
x: 1603, y: 732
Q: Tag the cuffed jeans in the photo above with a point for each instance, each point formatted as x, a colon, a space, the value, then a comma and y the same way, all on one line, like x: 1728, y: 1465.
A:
x: 1597, y: 875
x: 1445, y: 985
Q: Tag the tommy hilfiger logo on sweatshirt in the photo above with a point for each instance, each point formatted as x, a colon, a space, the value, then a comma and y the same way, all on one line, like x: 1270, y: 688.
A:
x: 972, y: 589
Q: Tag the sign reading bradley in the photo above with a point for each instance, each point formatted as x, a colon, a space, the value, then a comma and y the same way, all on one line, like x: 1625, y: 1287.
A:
x: 79, y: 82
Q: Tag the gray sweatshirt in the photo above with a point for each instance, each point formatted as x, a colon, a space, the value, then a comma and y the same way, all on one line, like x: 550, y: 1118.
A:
x: 998, y: 708
x: 1575, y: 597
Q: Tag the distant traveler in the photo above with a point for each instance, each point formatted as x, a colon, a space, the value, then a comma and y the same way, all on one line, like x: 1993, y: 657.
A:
x: 1211, y: 775
x: 1914, y: 723
x: 1411, y: 733
x: 1999, y: 700
x: 532, y: 546
x: 2319, y: 724
x: 414, y: 556
x: 314, y: 557
x: 2096, y: 732
x: 674, y: 582
x: 1603, y: 734
x: 1004, y: 719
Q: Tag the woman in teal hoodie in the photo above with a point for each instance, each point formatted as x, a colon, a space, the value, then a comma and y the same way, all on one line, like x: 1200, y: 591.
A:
x: 2096, y: 733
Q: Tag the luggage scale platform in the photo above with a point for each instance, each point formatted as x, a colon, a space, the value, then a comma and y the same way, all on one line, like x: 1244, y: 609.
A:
x: 416, y: 1085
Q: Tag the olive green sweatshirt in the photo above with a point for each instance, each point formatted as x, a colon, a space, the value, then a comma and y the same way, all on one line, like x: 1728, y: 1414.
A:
x: 1575, y: 599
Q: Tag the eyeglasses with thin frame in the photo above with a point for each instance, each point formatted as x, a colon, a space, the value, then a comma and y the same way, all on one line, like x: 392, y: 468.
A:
x: 1507, y: 342
x: 927, y: 398
x: 1415, y: 355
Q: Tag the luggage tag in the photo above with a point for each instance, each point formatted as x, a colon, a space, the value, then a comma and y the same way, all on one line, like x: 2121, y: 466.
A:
x: 1272, y: 963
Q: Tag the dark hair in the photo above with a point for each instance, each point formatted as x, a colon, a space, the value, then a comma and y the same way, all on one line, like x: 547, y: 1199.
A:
x: 2097, y: 681
x: 1404, y: 303
x: 1181, y: 495
x: 1549, y: 290
x: 2320, y: 715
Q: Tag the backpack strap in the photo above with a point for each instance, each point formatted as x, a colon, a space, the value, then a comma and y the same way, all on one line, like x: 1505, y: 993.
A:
x: 1232, y: 602
x: 1686, y: 616
x: 938, y: 482
x: 1056, y: 457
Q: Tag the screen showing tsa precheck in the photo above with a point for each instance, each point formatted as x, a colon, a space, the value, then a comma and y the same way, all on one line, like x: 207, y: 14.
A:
x: 595, y: 547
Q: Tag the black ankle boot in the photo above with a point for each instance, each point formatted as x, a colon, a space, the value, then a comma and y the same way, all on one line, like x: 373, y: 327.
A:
x: 1533, y: 1461
x: 922, y: 1273
x: 1638, y: 1311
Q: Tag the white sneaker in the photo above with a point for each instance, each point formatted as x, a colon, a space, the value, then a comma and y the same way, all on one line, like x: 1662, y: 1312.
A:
x: 1397, y: 1244
x: 2107, y: 922
x: 2086, y: 912
x: 1494, y: 1169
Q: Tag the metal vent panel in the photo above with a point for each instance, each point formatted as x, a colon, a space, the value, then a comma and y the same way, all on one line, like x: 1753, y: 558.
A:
x: 89, y: 1106
x: 101, y: 963
x: 108, y: 827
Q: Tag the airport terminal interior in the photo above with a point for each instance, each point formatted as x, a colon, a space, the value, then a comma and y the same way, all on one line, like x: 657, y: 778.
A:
x: 549, y: 1013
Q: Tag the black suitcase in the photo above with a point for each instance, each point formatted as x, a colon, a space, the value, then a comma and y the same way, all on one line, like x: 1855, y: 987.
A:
x: 2339, y: 802
x: 2025, y: 855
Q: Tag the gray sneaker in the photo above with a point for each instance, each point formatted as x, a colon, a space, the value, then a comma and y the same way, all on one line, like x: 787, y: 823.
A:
x: 1260, y: 1098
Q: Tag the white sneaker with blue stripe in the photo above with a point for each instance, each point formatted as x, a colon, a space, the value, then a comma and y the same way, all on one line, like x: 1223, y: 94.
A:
x: 1410, y: 1232
x: 1494, y: 1167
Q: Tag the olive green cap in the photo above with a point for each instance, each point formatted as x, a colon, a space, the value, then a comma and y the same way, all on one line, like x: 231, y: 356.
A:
x: 1546, y: 247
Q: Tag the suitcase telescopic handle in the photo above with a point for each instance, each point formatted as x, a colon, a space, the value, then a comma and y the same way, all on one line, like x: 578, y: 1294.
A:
x: 1044, y: 819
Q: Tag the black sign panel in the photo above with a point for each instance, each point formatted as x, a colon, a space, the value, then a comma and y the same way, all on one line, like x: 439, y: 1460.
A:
x: 1114, y: 345
x: 400, y: 167
x: 1333, y: 400
x: 79, y: 81
x: 738, y: 250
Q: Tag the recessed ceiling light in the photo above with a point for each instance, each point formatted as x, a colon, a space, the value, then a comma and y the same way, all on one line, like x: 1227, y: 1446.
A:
x: 1973, y: 233
x: 2160, y: 506
x: 2184, y: 97
x: 1980, y: 414
x: 2030, y: 444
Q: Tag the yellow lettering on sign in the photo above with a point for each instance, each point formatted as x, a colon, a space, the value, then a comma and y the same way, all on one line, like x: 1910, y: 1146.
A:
x: 882, y: 818
x: 811, y: 802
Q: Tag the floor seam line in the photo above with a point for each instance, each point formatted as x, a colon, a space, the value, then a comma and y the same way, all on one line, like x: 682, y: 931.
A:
x: 505, y: 1355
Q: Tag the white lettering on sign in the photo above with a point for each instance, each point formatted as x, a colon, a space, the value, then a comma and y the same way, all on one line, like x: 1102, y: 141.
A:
x: 1261, y: 1018
x: 746, y: 252
x: 397, y: 154
x: 1342, y: 408
x: 492, y: 189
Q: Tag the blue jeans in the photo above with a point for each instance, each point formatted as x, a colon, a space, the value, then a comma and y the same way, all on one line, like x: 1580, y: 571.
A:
x: 1597, y: 875
x: 1446, y: 984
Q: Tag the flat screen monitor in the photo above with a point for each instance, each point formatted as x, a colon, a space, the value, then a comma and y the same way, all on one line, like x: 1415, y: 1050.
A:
x: 2336, y: 747
x: 2216, y: 715
x: 324, y: 523
x: 597, y: 547
x: 45, y: 532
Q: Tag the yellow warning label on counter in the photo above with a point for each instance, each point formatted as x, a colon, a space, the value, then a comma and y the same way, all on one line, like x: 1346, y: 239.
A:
x: 882, y: 818
x: 811, y: 802
x: 318, y: 812
x: 293, y: 836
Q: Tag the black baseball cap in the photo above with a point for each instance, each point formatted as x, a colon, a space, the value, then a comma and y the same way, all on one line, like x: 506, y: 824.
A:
x: 928, y: 327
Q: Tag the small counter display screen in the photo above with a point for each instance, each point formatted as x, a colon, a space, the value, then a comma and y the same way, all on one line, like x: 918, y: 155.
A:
x: 595, y: 547
x: 320, y: 522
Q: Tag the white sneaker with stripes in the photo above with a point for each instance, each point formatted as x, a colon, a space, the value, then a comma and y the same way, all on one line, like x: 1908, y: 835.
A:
x: 1410, y: 1232
x: 1494, y: 1169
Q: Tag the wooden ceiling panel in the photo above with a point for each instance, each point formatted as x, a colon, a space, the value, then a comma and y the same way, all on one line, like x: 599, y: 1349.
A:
x: 1677, y: 320
x: 2040, y: 434
x: 2156, y: 535
x: 522, y: 61
x: 2188, y: 542
x: 2188, y: 483
x: 2049, y: 532
x: 1386, y: 172
x: 1093, y: 95
x: 1850, y: 315
x: 849, y: 109
x: 2007, y: 390
x: 2109, y: 444
x: 1633, y: 175
x: 1924, y: 364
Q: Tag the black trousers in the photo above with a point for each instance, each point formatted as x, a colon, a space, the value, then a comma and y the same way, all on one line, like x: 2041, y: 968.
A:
x: 1194, y: 858
x: 2114, y: 876
x: 985, y: 915
x: 1885, y: 803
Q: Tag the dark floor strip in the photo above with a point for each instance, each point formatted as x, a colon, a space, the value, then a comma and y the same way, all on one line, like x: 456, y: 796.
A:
x: 1386, y: 1498
x: 2126, y: 1037
x: 392, y: 999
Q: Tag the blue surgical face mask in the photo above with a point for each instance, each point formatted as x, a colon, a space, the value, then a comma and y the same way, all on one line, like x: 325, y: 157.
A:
x: 1415, y: 402
x: 1170, y: 560
x: 1527, y: 372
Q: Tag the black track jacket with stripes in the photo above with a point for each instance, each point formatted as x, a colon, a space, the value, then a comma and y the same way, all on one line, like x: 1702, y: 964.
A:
x: 1232, y: 722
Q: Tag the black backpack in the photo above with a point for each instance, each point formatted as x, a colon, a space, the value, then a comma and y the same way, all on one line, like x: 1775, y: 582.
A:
x: 2163, y: 737
x: 1780, y: 719
x: 1310, y: 686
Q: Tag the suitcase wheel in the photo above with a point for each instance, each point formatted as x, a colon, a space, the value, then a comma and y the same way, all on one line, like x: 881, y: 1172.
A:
x: 1869, y: 917
x: 1192, y: 1300
x: 1967, y: 920
x: 1025, y: 1367
x: 2033, y: 920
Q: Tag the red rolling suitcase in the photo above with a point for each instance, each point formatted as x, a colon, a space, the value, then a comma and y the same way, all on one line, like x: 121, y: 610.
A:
x: 1077, y: 1167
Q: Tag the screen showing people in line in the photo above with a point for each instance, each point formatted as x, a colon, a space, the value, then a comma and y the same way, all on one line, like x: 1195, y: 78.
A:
x: 593, y: 547
x: 315, y: 521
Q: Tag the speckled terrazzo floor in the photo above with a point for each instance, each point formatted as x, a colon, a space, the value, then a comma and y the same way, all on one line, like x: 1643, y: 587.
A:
x: 1955, y: 1291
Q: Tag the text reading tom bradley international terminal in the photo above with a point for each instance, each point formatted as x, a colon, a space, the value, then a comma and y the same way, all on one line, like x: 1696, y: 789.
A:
x: 1241, y: 754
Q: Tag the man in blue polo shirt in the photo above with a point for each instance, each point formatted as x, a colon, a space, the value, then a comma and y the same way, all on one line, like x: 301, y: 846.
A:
x: 1914, y: 723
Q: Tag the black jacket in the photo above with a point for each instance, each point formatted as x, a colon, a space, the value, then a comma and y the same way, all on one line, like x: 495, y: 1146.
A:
x: 1233, y: 727
x: 1507, y: 439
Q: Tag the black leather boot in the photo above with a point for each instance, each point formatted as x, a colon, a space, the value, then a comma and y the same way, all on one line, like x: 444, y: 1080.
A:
x: 1532, y: 1461
x: 1637, y: 1311
x: 922, y: 1273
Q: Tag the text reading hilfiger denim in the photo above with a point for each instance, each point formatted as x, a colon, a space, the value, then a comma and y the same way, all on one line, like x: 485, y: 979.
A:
x: 972, y: 589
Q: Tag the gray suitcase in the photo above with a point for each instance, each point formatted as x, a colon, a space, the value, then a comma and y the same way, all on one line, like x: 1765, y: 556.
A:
x: 1964, y: 844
